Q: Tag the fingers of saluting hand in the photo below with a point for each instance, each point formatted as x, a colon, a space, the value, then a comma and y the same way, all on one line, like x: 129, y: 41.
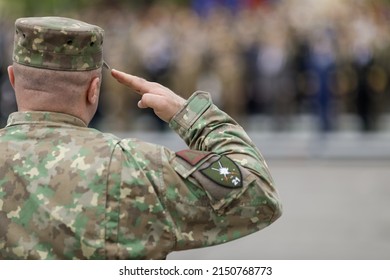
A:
x: 138, y: 84
x: 162, y: 100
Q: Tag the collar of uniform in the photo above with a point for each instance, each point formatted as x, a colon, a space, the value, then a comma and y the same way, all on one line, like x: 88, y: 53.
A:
x: 43, y: 117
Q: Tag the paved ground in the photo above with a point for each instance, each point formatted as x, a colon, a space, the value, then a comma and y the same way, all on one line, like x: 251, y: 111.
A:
x: 332, y: 210
x: 336, y: 194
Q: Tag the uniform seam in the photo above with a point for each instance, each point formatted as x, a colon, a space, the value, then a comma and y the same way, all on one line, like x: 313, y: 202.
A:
x: 107, y: 197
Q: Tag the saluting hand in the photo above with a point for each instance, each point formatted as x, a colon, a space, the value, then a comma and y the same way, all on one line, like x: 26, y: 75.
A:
x: 164, y: 102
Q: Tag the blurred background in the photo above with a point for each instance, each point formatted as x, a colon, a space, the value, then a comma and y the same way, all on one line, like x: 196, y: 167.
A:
x: 308, y: 79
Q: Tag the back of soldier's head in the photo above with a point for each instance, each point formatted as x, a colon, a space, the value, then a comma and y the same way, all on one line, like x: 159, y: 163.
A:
x: 56, y: 54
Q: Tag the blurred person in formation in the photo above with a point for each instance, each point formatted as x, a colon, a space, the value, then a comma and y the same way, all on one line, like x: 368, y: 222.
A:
x: 71, y: 192
x: 227, y: 63
x: 154, y: 46
x: 275, y: 77
x: 322, y: 63
x: 371, y: 77
x: 189, y: 44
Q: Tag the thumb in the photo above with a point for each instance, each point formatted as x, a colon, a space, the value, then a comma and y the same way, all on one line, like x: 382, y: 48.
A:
x: 158, y: 103
x: 141, y: 104
x: 149, y: 100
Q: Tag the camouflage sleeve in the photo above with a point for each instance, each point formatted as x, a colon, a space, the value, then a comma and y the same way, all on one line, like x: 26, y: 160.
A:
x: 220, y: 189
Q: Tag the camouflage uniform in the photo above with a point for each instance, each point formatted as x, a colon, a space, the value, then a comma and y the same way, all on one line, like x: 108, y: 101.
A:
x: 71, y: 192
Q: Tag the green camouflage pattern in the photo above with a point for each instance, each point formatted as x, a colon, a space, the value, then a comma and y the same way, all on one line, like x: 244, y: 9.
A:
x: 58, y: 43
x: 72, y: 192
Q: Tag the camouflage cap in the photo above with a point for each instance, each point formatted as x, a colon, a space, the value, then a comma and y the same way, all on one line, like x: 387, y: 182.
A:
x: 58, y: 43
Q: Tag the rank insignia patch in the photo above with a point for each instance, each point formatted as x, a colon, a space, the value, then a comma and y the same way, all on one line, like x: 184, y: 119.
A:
x: 192, y: 157
x: 224, y: 172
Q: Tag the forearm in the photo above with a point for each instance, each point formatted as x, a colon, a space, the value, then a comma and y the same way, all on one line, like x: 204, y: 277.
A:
x: 206, y: 128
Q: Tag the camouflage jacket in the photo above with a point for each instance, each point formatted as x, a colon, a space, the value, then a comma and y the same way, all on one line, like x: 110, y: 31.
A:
x: 72, y: 192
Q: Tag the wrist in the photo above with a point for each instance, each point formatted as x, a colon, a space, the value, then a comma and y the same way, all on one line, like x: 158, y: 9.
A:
x: 190, y: 112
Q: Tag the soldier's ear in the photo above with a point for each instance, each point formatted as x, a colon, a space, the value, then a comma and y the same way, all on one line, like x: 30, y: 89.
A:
x: 11, y: 75
x: 93, y: 91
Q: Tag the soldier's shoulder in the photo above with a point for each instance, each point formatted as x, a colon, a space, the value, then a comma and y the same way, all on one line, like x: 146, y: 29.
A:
x: 138, y: 144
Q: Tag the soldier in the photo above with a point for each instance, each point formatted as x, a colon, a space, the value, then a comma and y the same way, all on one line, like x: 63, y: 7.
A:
x: 71, y: 192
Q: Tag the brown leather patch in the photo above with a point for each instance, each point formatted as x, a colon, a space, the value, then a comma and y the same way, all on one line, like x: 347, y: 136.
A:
x: 191, y: 156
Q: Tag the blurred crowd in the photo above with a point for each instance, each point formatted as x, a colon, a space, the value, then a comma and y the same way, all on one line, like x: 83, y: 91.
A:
x: 277, y: 59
